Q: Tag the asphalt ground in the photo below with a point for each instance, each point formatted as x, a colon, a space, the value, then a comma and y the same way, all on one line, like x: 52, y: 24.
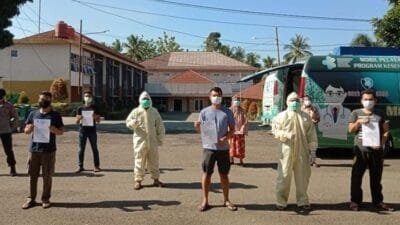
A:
x: 108, y: 197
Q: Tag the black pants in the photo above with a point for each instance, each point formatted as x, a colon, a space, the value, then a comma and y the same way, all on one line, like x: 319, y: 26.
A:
x: 6, y: 139
x: 92, y: 136
x: 374, y: 161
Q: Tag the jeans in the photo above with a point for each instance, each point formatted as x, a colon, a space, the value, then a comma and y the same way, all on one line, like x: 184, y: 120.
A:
x: 6, y: 139
x: 92, y: 136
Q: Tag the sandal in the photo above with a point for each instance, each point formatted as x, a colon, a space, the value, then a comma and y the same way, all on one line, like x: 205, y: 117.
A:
x: 158, y: 184
x: 384, y: 207
x: 305, y: 207
x: 354, y: 206
x: 280, y: 208
x: 137, y: 186
x: 205, y: 207
x: 230, y: 206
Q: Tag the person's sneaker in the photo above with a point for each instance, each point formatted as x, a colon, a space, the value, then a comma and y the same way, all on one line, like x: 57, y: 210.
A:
x: 46, y: 205
x: 29, y: 203
x: 97, y: 169
x: 80, y: 169
x: 13, y: 171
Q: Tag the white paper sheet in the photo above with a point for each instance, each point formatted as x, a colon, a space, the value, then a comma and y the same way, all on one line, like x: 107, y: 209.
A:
x: 371, y: 135
x: 87, y: 118
x: 41, y: 130
x: 209, y: 132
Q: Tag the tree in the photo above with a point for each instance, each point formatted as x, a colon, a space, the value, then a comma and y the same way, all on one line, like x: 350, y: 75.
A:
x: 253, y: 59
x: 387, y: 29
x: 117, y: 45
x: 8, y: 9
x: 394, y: 2
x: 226, y: 50
x: 363, y: 40
x: 238, y: 53
x: 298, y: 48
x: 139, y: 49
x: 269, y: 62
x: 212, y: 43
x: 167, y: 44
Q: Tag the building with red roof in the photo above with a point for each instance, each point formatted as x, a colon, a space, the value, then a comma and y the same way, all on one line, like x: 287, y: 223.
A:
x: 34, y: 62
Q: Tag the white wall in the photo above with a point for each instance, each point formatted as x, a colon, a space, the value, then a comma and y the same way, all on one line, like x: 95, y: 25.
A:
x: 35, y: 62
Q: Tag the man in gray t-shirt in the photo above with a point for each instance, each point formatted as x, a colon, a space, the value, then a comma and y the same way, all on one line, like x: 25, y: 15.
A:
x: 366, y: 156
x: 216, y: 124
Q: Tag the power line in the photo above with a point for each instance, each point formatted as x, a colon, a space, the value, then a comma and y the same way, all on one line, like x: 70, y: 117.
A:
x: 262, y: 13
x: 223, y: 22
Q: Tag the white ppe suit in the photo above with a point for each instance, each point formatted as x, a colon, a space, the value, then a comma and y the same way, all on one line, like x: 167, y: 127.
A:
x: 296, y: 132
x: 148, y: 134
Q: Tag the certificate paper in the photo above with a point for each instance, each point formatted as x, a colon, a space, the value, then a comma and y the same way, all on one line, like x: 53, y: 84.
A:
x: 371, y: 135
x: 209, y: 132
x: 41, y: 130
x: 87, y: 118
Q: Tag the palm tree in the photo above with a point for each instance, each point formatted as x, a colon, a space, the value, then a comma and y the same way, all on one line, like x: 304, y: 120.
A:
x: 298, y: 48
x: 226, y: 50
x: 269, y: 62
x: 139, y: 49
x: 117, y: 45
x: 394, y: 2
x: 363, y: 40
x: 252, y: 59
x: 238, y: 53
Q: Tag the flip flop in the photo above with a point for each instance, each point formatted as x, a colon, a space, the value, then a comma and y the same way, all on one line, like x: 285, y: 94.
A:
x: 230, y: 206
x: 205, y: 207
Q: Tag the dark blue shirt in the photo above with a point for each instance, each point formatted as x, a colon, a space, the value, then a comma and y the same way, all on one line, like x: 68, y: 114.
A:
x: 55, y: 120
x: 88, y: 108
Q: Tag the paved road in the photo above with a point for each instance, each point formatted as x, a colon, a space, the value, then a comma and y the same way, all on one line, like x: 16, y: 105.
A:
x: 108, y: 197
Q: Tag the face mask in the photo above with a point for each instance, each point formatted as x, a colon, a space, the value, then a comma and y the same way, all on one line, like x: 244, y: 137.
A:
x: 44, y: 104
x: 368, y: 104
x: 88, y: 99
x: 236, y: 103
x: 294, y: 105
x: 216, y: 100
x: 307, y: 103
x: 145, y: 103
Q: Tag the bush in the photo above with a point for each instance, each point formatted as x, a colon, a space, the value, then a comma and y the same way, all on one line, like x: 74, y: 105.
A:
x: 65, y: 109
x: 117, y: 115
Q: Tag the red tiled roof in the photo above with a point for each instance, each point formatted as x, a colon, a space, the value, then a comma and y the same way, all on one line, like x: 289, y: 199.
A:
x: 253, y: 92
x: 197, y: 61
x: 189, y: 77
x: 50, y: 35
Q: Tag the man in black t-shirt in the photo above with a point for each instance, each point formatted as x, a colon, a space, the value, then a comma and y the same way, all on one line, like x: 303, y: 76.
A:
x: 44, y: 124
x: 368, y: 124
x: 87, y: 117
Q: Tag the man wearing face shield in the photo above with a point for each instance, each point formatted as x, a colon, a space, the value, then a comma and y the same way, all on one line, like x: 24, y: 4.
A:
x: 8, y: 122
x: 148, y: 134
x: 87, y: 116
x: 366, y: 156
x: 296, y: 132
x: 42, y: 154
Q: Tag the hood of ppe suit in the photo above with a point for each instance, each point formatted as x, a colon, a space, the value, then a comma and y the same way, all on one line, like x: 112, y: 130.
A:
x: 291, y: 96
x: 144, y: 95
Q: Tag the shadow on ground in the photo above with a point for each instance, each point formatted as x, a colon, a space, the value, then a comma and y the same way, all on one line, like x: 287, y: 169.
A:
x: 126, y: 206
x: 215, y: 187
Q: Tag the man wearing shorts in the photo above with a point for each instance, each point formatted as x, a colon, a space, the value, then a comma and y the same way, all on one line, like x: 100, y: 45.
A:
x: 216, y: 124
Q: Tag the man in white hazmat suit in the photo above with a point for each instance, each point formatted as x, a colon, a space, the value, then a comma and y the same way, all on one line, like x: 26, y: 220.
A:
x: 148, y: 134
x: 296, y: 132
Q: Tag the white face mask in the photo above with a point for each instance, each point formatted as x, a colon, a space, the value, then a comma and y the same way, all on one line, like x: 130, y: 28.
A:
x: 307, y: 103
x: 368, y: 104
x: 236, y: 103
x: 216, y: 100
x: 88, y: 99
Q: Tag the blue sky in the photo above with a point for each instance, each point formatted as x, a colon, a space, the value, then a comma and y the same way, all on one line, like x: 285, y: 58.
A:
x: 322, y: 41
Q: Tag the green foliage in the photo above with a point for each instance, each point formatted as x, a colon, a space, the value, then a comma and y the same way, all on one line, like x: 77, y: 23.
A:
x: 212, y: 43
x: 8, y: 9
x: 22, y: 98
x: 387, y: 29
x: 65, y: 109
x: 238, y: 53
x: 297, y: 49
x: 117, y: 45
x: 117, y: 115
x: 167, y: 44
x: 12, y: 97
x: 363, y: 40
x: 269, y: 62
x: 253, y: 59
x: 139, y: 49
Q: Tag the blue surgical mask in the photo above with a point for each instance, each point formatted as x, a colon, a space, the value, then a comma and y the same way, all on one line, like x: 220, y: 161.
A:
x: 294, y: 105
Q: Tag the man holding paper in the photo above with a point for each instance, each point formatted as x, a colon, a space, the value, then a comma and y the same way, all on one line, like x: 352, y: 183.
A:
x: 216, y: 124
x: 44, y: 124
x: 372, y: 132
x: 87, y: 116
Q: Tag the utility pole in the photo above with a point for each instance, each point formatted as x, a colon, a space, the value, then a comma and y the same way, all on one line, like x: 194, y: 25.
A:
x: 40, y: 10
x: 277, y: 45
x: 80, y: 59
